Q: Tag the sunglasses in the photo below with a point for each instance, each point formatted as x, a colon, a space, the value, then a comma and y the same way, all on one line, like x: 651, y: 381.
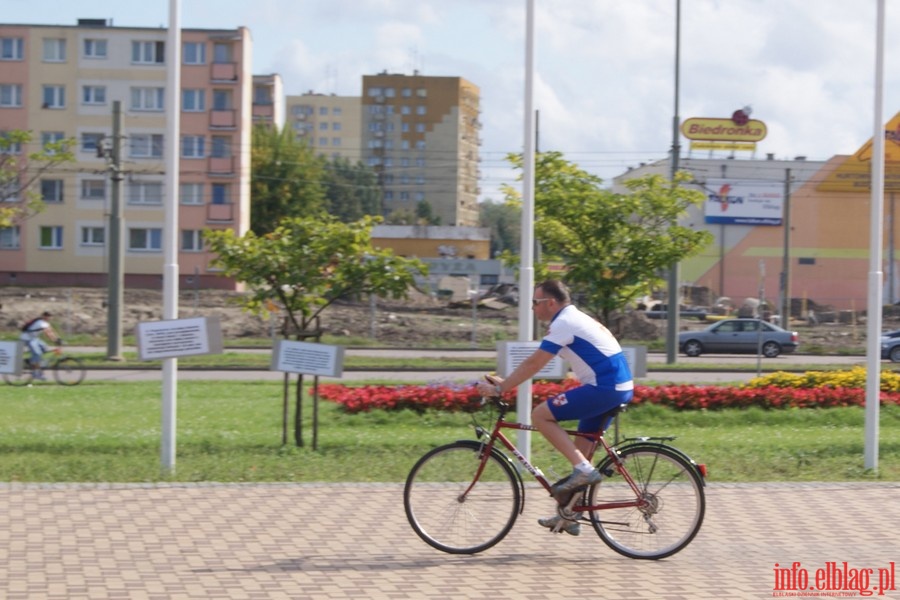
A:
x: 536, y: 301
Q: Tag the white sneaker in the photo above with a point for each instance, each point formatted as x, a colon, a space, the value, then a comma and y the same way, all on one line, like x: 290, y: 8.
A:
x: 570, y: 527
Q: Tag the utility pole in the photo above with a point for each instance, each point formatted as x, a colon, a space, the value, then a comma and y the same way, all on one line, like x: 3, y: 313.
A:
x: 785, y: 308
x: 674, y: 295
x: 116, y: 275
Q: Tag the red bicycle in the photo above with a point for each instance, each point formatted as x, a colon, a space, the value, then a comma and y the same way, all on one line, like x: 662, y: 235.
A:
x: 464, y: 497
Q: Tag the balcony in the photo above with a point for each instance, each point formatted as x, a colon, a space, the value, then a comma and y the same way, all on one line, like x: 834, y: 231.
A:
x: 221, y: 165
x: 223, y: 72
x: 223, y: 119
x: 220, y: 212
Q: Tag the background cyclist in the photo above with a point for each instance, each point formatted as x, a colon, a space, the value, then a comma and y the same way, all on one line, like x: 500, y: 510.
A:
x: 31, y: 335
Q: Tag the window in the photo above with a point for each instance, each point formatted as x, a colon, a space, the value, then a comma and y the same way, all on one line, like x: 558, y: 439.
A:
x: 262, y: 94
x: 335, y: 141
x: 404, y: 144
x: 147, y: 98
x: 8, y: 145
x: 145, y: 192
x: 220, y: 193
x: 221, y: 146
x: 221, y: 99
x: 193, y: 146
x: 375, y: 91
x: 404, y: 110
x: 93, y: 189
x: 406, y: 93
x: 335, y: 126
x: 9, y: 238
x: 93, y: 236
x: 420, y: 110
x: 146, y: 239
x: 51, y: 137
x: 148, y: 52
x: 54, y: 50
x: 93, y: 94
x: 420, y: 162
x: 193, y: 100
x: 221, y: 52
x: 9, y: 190
x: 323, y: 126
x: 419, y: 196
x: 420, y: 145
x: 54, y: 96
x: 323, y: 141
x: 90, y: 142
x: 336, y: 111
x: 51, y: 238
x: 10, y: 95
x: 191, y: 240
x: 194, y: 53
x: 191, y: 193
x: 390, y: 92
x: 404, y: 127
x: 422, y: 93
x: 11, y: 49
x: 52, y: 190
x: 146, y: 145
x: 420, y: 127
x: 94, y: 48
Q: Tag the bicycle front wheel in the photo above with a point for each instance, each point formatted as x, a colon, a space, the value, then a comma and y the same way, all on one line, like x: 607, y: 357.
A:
x: 23, y: 378
x: 457, y: 508
x: 671, y: 509
x: 68, y: 370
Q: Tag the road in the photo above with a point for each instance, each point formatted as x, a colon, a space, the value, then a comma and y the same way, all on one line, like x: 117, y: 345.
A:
x: 696, y: 377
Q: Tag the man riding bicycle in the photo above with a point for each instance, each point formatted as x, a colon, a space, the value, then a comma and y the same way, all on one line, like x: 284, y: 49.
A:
x: 31, y: 335
x: 596, y: 359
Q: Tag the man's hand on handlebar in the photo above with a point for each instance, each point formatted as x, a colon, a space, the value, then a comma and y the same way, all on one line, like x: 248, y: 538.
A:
x: 490, y: 386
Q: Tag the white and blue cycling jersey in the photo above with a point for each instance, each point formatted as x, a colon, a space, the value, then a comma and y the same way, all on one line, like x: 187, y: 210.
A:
x: 589, y: 348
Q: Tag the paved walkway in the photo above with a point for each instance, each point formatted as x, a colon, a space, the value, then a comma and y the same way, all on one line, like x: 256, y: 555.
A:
x: 285, y: 541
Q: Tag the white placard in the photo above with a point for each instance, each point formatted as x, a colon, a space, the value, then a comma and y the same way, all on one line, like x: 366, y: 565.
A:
x: 637, y: 359
x: 11, y: 357
x: 308, y: 358
x: 178, y: 337
x: 511, y: 354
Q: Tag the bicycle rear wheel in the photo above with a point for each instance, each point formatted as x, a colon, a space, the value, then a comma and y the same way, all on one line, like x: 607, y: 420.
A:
x: 446, y: 516
x: 23, y: 378
x: 673, y: 509
x: 68, y: 370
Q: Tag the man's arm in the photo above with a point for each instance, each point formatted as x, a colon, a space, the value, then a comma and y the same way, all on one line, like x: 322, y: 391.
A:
x: 526, y: 370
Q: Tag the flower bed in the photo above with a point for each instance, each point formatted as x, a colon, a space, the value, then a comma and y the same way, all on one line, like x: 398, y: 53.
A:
x: 816, y: 389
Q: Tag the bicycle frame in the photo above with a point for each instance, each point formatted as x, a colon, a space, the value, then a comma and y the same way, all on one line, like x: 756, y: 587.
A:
x: 596, y: 438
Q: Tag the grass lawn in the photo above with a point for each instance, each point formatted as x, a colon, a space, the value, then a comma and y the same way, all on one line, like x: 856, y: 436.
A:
x: 232, y: 432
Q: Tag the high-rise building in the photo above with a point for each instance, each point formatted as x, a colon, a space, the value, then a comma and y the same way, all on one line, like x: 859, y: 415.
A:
x: 327, y: 123
x: 421, y: 135
x: 61, y: 82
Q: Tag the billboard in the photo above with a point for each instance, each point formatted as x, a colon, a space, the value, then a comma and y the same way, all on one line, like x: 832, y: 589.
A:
x: 735, y: 202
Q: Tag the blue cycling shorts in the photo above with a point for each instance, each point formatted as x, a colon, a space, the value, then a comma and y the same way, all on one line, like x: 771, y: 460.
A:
x: 588, y: 404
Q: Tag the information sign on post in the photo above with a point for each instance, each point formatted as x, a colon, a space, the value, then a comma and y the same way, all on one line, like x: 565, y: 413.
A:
x: 511, y: 354
x: 178, y: 337
x: 11, y: 358
x: 308, y: 358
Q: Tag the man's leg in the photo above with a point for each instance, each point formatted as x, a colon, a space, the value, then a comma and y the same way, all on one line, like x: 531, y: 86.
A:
x: 547, y: 425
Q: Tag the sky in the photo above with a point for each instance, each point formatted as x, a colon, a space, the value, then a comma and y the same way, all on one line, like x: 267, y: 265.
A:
x: 604, y: 78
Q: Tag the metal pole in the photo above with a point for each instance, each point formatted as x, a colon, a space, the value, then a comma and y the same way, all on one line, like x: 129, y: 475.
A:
x: 876, y: 235
x: 170, y: 231
x: 526, y: 270
x: 116, y: 277
x: 786, y: 259
x: 673, y: 292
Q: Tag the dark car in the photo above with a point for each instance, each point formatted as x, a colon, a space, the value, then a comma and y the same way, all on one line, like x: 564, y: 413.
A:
x: 739, y: 336
x: 890, y: 345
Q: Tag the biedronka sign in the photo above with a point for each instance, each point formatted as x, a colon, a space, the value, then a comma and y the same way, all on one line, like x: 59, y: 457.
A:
x: 855, y: 173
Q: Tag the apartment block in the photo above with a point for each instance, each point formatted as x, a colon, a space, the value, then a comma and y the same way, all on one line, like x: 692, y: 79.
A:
x: 60, y: 82
x: 421, y: 135
x: 268, y: 100
x: 329, y: 124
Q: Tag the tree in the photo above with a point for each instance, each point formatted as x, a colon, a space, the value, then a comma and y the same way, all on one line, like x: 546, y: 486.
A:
x: 303, y: 266
x: 286, y: 179
x: 504, y: 219
x: 614, y: 246
x: 351, y: 190
x: 18, y: 175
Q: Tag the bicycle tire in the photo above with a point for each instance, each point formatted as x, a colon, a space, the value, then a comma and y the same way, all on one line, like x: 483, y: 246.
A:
x: 23, y: 378
x: 675, y: 509
x: 68, y: 370
x: 444, y: 519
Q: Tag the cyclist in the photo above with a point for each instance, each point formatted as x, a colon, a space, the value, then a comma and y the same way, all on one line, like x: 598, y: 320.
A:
x: 31, y: 335
x: 596, y: 359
